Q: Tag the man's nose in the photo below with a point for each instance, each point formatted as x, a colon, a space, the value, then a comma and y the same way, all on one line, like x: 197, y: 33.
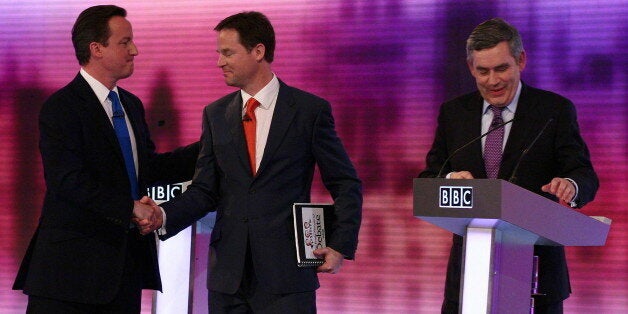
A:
x: 221, y: 61
x: 133, y: 49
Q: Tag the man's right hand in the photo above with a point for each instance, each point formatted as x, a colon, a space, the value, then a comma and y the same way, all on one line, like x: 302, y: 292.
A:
x: 460, y: 175
x: 147, y: 215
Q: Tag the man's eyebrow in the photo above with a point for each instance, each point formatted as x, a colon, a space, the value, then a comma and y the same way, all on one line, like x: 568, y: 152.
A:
x: 495, y: 67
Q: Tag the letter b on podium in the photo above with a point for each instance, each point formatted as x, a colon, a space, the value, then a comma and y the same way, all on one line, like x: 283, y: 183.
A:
x: 456, y: 197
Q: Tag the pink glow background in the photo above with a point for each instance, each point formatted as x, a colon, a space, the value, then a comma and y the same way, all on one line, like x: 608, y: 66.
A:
x: 385, y: 66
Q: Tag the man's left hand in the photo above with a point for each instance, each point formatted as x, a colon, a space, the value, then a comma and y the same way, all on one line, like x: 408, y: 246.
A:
x: 333, y: 260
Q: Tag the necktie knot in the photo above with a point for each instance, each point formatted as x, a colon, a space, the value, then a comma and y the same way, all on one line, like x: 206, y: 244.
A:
x: 497, y: 115
x: 251, y: 105
x: 115, y: 105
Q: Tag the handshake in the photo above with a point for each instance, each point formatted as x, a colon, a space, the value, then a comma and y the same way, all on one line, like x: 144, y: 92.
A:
x: 147, y: 215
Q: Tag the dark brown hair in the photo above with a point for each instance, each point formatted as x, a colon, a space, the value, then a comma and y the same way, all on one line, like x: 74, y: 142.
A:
x: 254, y: 28
x: 92, y: 25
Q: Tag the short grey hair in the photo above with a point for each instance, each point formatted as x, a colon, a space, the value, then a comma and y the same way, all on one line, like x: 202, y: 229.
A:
x: 492, y: 32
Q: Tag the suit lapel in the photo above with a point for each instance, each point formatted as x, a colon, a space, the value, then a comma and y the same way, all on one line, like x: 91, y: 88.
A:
x: 233, y: 116
x: 520, y: 132
x: 472, y: 128
x: 283, y: 115
x: 98, y: 115
x: 131, y: 113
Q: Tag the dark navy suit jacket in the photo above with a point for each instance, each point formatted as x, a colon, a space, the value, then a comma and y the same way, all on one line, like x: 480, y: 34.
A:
x: 258, y: 209
x: 78, y: 251
x: 559, y: 152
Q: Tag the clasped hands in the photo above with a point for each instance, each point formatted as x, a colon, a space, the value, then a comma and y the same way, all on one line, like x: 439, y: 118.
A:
x: 147, y: 215
x: 561, y: 188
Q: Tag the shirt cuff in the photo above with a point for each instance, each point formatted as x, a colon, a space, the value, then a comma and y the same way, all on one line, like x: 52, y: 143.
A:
x: 573, y: 203
x: 162, y: 231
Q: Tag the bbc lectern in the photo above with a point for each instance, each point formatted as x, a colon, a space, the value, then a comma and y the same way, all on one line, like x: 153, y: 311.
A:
x: 501, y: 222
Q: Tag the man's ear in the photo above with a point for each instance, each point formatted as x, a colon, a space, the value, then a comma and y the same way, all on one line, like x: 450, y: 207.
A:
x: 470, y: 65
x: 95, y: 49
x: 522, y: 61
x: 260, y: 51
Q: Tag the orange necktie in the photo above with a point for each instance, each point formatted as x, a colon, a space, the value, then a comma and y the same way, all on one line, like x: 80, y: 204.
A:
x: 250, y: 123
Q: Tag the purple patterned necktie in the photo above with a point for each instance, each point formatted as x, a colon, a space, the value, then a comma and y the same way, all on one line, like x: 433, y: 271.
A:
x: 493, y: 144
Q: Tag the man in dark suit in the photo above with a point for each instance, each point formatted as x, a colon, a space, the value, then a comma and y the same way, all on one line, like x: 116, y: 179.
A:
x: 86, y: 255
x: 557, y: 166
x: 252, y: 184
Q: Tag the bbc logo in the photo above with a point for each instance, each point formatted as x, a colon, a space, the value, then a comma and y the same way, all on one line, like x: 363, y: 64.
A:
x: 164, y: 193
x: 456, y: 197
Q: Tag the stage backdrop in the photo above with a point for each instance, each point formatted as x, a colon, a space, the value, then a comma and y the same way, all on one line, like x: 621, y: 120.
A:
x: 385, y: 66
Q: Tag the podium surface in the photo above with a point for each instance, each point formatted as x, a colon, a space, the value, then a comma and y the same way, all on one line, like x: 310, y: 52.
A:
x: 501, y: 222
x: 514, y: 206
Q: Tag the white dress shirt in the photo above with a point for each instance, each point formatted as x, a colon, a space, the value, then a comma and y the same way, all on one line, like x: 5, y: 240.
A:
x: 507, y: 114
x: 267, y: 97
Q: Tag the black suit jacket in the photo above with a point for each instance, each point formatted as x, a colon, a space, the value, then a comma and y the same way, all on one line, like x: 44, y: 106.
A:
x: 78, y: 251
x: 258, y: 208
x: 559, y: 152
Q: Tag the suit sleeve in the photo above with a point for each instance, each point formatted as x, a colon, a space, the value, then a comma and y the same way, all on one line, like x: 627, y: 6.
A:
x: 573, y: 155
x: 202, y: 195
x: 340, y: 178
x: 438, y: 153
x: 159, y: 168
x: 175, y: 166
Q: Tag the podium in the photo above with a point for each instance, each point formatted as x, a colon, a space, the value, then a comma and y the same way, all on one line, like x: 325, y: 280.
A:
x: 501, y: 222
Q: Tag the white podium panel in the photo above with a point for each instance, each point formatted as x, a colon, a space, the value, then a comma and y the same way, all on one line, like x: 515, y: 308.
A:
x: 175, y: 260
x: 182, y: 261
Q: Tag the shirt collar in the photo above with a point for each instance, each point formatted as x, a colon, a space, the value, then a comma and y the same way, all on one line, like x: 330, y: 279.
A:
x: 102, y: 92
x: 512, y: 106
x: 266, y: 96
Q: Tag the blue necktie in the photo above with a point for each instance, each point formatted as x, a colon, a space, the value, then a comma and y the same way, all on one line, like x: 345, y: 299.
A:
x: 119, y: 124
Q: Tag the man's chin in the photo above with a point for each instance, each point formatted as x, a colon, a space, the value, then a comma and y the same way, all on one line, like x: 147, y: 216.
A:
x: 126, y: 75
x: 495, y: 101
x: 232, y: 83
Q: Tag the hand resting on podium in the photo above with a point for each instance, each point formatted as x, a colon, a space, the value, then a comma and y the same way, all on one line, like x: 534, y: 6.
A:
x: 562, y: 188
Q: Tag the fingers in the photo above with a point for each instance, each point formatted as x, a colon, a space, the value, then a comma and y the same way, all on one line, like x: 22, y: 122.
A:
x: 140, y: 222
x: 461, y: 175
x: 149, y: 228
x: 147, y: 200
x: 333, y: 260
x: 147, y: 215
x: 561, y: 188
